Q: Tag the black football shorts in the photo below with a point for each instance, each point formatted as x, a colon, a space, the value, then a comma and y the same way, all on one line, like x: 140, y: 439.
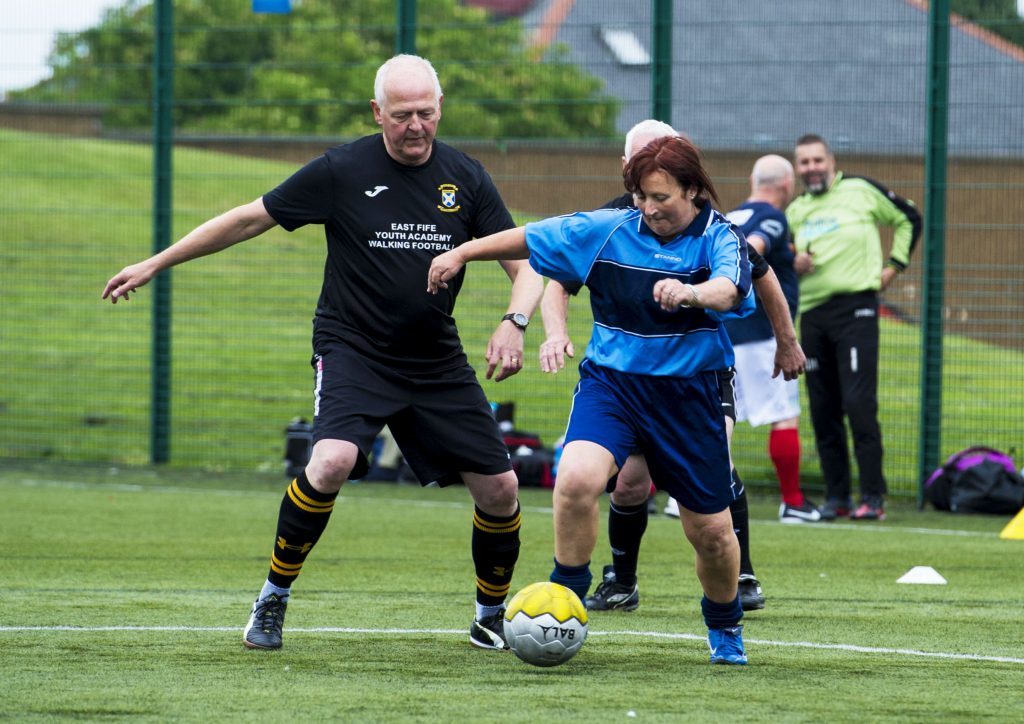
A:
x: 727, y: 388
x: 441, y: 421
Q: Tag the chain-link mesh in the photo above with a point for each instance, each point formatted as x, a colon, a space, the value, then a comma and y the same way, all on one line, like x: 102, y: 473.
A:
x: 543, y: 98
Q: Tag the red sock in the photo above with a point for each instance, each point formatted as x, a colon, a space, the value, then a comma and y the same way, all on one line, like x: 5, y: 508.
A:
x: 784, y: 450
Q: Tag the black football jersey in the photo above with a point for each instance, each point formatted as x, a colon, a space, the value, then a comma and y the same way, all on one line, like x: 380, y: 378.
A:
x: 384, y: 222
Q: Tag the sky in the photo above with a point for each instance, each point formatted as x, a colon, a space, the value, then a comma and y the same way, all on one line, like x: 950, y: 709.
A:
x: 27, y: 31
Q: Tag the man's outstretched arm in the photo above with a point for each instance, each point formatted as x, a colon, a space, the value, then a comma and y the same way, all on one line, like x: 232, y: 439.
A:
x: 239, y: 224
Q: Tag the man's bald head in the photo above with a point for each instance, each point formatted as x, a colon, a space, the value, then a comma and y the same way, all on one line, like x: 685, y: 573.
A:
x: 772, y: 180
x: 771, y: 170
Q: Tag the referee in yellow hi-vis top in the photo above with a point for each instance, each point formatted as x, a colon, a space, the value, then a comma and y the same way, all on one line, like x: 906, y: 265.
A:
x: 839, y: 260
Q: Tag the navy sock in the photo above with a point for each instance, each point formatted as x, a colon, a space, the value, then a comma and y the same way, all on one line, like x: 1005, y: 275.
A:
x: 575, y: 578
x: 721, y: 615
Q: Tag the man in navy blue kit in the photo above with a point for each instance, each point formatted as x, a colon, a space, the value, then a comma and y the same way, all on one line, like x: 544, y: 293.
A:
x: 385, y: 352
x: 761, y: 398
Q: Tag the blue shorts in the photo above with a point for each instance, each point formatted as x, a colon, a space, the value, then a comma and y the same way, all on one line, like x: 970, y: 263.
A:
x: 675, y: 422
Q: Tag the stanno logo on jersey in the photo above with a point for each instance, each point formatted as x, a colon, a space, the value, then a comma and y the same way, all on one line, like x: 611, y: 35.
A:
x: 449, y: 204
x: 376, y: 190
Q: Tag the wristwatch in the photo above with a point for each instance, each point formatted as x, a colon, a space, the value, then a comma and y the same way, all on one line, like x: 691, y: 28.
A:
x: 518, y: 319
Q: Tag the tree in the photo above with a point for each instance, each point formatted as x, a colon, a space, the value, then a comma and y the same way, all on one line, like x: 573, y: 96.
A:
x: 311, y: 71
x: 997, y: 16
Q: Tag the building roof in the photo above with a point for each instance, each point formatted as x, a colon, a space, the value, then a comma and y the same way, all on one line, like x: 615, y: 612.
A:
x: 756, y: 76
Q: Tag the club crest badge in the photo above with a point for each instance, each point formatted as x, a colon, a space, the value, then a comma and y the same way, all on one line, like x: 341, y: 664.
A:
x: 449, y: 202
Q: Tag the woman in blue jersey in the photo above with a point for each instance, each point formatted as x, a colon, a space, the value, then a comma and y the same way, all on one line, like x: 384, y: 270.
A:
x: 662, y: 277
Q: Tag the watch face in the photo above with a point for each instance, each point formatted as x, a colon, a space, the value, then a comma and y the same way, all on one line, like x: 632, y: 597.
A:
x: 519, y: 319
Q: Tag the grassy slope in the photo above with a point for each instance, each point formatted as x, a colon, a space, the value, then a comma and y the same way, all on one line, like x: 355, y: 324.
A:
x: 88, y: 548
x: 76, y: 382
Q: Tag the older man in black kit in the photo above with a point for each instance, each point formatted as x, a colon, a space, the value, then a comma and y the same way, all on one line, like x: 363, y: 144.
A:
x: 385, y: 351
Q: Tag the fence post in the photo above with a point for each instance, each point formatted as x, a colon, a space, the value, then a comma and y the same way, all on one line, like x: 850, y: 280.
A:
x: 163, y: 141
x: 661, y: 69
x: 405, y: 18
x: 935, y: 161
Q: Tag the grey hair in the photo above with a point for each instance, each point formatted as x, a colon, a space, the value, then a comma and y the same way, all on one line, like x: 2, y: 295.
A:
x: 403, y: 59
x: 771, y: 170
x: 650, y: 127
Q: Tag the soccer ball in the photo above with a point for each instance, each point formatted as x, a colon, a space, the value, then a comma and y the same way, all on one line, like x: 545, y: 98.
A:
x: 545, y: 624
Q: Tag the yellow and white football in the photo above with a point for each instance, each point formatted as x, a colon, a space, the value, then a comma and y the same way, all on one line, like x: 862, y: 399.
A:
x: 545, y: 624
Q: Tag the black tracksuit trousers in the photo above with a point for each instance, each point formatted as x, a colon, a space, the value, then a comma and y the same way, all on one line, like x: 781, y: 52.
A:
x: 840, y: 339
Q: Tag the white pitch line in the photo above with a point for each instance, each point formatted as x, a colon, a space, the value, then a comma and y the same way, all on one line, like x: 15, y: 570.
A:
x: 460, y: 632
x: 828, y: 647
x: 861, y: 528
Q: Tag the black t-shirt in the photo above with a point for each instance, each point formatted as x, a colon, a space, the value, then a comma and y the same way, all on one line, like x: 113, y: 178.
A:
x: 384, y: 222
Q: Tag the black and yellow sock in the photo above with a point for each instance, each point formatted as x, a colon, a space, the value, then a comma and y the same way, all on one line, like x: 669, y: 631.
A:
x: 300, y: 523
x: 495, y: 552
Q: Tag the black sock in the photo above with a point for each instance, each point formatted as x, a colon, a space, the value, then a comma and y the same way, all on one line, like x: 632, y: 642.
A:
x: 626, y: 526
x: 300, y: 523
x: 741, y: 524
x: 495, y: 552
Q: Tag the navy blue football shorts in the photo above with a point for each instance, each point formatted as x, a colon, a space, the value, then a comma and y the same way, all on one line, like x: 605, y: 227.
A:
x: 727, y: 390
x: 441, y: 421
x: 675, y: 422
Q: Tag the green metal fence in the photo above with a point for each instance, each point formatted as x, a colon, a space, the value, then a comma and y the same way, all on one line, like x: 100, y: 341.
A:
x: 210, y: 374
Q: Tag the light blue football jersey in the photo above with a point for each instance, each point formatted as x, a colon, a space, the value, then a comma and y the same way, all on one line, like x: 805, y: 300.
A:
x: 619, y: 259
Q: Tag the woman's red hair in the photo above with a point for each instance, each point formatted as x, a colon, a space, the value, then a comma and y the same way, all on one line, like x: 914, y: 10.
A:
x: 677, y: 157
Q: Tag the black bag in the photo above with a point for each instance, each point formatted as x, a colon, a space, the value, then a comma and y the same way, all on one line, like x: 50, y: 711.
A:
x: 977, y: 480
x: 298, y: 446
x: 533, y: 467
x: 531, y: 461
